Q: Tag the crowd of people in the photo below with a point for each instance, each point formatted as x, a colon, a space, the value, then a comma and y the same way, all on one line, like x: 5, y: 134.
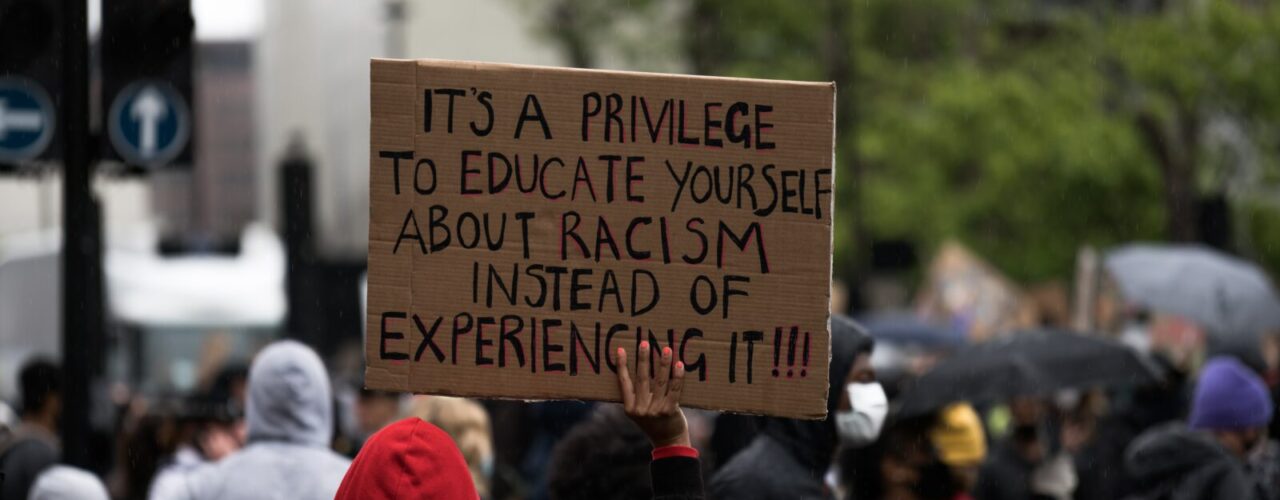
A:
x: 273, y: 430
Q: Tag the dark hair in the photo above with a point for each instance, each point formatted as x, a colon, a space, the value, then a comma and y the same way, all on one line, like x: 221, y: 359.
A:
x: 373, y: 395
x: 40, y: 379
x: 604, y: 457
x: 861, y: 469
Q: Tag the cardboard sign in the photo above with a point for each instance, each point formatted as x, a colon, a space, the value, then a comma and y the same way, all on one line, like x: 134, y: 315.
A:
x: 527, y: 222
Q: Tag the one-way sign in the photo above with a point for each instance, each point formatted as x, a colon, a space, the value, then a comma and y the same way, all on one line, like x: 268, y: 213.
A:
x: 149, y: 123
x: 26, y: 120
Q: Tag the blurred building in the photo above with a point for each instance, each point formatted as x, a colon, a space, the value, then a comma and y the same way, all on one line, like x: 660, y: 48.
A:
x: 206, y: 207
x: 268, y: 72
x: 227, y: 157
x: 312, y: 67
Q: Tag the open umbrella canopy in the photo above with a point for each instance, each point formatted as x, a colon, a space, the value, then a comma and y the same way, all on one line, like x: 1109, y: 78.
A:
x: 905, y: 327
x: 1225, y: 295
x: 1028, y: 363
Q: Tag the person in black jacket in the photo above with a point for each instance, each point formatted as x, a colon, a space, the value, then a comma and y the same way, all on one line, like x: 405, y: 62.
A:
x: 1205, y: 458
x: 1174, y: 462
x: 33, y: 447
x: 790, y: 458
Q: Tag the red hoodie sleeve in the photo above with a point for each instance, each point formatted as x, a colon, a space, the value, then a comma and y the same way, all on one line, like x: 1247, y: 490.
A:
x: 676, y: 473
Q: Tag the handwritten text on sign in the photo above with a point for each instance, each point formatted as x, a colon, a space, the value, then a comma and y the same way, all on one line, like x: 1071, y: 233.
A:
x: 527, y: 222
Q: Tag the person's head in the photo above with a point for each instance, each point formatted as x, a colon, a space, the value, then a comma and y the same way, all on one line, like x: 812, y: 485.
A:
x: 854, y: 421
x: 960, y: 443
x: 289, y: 397
x: 906, y: 462
x: 1232, y: 403
x: 1026, y: 411
x: 1028, y: 443
x: 862, y: 372
x: 375, y: 409
x: 213, y: 420
x: 41, y: 381
x: 229, y: 388
x: 1026, y: 428
x: 217, y: 440
x: 408, y: 459
x: 862, y: 406
x: 604, y: 456
x: 61, y: 482
x: 467, y: 423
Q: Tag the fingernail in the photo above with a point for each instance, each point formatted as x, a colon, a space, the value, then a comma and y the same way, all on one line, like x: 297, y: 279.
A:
x: 666, y: 351
x: 619, y: 351
x: 679, y: 365
x: 644, y: 345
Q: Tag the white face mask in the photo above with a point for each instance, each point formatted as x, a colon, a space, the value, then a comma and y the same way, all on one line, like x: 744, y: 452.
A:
x: 861, y: 425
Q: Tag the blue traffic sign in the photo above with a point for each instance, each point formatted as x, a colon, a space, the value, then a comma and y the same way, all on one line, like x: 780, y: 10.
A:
x: 27, y: 120
x: 149, y: 123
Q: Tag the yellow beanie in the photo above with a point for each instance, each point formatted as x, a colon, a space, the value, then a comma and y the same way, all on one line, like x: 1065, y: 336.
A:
x: 958, y: 436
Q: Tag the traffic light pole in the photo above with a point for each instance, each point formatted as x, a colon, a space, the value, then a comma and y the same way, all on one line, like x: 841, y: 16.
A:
x: 81, y: 244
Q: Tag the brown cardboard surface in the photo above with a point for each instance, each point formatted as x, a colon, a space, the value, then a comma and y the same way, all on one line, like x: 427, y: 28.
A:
x: 757, y: 218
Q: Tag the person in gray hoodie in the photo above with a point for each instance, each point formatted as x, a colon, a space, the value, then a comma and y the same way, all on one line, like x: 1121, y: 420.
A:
x: 289, y: 420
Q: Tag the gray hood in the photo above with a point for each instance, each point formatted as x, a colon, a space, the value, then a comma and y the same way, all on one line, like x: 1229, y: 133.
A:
x: 61, y: 482
x: 289, y: 398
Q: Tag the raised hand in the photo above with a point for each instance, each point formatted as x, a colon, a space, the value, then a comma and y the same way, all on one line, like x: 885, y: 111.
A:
x: 653, y: 402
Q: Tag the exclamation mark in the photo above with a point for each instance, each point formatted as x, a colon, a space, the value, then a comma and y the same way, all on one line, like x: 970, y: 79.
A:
x: 805, y: 356
x: 791, y: 351
x: 777, y: 346
x: 733, y: 358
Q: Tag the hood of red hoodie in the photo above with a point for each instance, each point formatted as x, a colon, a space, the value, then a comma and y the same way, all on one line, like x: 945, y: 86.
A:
x: 408, y: 459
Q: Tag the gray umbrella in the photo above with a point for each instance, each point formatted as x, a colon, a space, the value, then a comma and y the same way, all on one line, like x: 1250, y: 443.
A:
x: 1225, y: 295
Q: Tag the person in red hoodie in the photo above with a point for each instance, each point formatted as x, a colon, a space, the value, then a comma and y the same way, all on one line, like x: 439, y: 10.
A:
x: 408, y: 459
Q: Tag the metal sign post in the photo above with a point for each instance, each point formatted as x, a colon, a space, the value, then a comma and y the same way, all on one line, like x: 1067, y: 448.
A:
x: 81, y: 244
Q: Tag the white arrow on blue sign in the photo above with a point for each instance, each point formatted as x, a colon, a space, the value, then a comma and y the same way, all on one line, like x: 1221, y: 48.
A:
x: 27, y: 120
x: 149, y: 123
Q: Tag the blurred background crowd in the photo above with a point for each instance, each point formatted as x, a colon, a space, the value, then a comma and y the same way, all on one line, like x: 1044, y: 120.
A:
x: 1051, y: 216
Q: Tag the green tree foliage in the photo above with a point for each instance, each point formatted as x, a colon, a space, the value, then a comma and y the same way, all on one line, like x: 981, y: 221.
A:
x: 1024, y: 129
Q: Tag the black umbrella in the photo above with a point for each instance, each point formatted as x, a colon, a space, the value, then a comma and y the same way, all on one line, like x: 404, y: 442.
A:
x: 1028, y: 363
x: 907, y: 328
